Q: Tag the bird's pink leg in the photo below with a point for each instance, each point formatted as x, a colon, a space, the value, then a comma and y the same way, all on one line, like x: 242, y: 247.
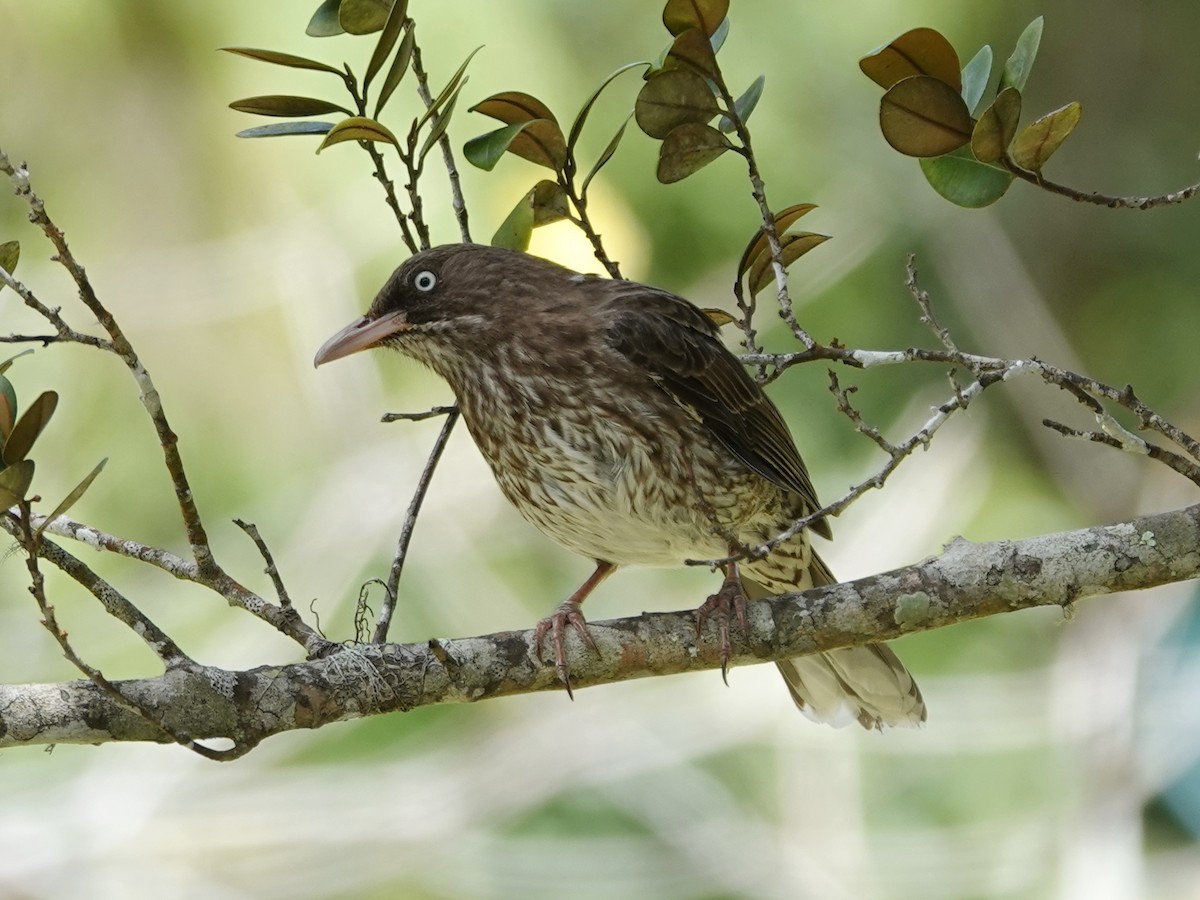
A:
x: 569, y: 613
x: 731, y: 596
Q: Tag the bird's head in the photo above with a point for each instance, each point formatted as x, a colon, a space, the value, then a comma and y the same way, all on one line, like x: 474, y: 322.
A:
x: 447, y: 300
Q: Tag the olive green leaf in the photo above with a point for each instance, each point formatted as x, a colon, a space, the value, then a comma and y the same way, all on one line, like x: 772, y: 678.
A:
x: 282, y: 59
x: 758, y: 243
x: 324, y: 22
x: 387, y: 40
x: 687, y: 149
x: 7, y: 364
x: 997, y: 126
x: 964, y: 180
x: 363, y: 16
x: 975, y: 75
x: 396, y: 71
x: 283, y: 128
x: 358, y: 128
x: 744, y: 105
x: 692, y: 50
x: 14, y: 483
x: 20, y: 441
x: 10, y: 254
x: 1016, y: 69
x: 921, y: 51
x: 286, y: 105
x: 440, y: 123
x: 586, y: 109
x: 71, y: 498
x: 718, y: 317
x: 794, y: 246
x: 672, y: 98
x: 605, y: 156
x: 549, y: 202
x: 1039, y: 140
x: 924, y: 116
x: 707, y: 15
x: 516, y: 230
x: 8, y: 408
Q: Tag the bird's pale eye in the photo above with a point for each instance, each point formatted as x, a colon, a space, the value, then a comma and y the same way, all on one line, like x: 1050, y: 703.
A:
x: 425, y: 281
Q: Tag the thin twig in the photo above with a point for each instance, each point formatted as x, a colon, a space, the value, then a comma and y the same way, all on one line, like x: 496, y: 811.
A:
x: 1112, y: 202
x: 1180, y: 464
x: 418, y: 416
x: 285, y: 602
x: 921, y: 296
x: 456, y: 195
x: 410, y: 521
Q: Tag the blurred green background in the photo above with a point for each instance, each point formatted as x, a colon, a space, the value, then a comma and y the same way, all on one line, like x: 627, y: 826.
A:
x: 1059, y: 759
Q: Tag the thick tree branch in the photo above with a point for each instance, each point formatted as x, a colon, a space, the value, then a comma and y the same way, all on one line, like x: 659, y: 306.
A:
x: 967, y: 581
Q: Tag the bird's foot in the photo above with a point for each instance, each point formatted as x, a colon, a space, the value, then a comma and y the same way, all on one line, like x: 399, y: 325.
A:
x: 731, y: 598
x: 568, y: 615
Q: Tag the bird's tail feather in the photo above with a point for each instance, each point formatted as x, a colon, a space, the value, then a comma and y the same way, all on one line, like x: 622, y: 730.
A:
x: 866, y: 684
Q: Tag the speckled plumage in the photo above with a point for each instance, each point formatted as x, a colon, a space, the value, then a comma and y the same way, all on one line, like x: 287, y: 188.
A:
x: 620, y: 426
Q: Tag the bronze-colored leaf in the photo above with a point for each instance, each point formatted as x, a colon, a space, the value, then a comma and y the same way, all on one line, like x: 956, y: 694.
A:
x: 1040, y: 139
x: 358, y: 128
x: 718, y: 317
x: 286, y: 105
x: 549, y: 202
x: 923, y: 116
x: 363, y: 16
x: 783, y: 221
x: 511, y: 107
x: 282, y: 59
x: 921, y: 51
x: 707, y: 15
x: 28, y: 427
x: 8, y: 408
x: 71, y: 498
x: 672, y: 98
x: 10, y: 253
x: 997, y: 126
x: 794, y: 246
x: 387, y: 40
x: 687, y: 149
x: 692, y: 50
x: 396, y: 71
x: 541, y: 141
x: 14, y: 483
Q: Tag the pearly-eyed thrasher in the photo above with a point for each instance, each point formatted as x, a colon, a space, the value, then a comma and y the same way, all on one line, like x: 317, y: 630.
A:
x: 619, y: 425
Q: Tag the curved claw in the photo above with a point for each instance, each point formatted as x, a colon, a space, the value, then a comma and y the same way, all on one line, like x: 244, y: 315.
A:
x: 730, y: 597
x: 568, y: 614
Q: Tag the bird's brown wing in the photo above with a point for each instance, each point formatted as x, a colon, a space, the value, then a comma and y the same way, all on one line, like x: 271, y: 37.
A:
x: 675, y: 343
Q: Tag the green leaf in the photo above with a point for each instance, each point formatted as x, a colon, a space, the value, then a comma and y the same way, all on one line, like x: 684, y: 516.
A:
x: 71, y: 498
x: 975, y: 75
x: 692, y: 50
x: 448, y: 91
x: 387, y: 40
x: 1039, y: 140
x: 28, y: 427
x: 549, y: 202
x: 794, y: 246
x: 758, y: 244
x: 8, y: 408
x: 362, y: 16
x: 286, y: 105
x: 541, y: 141
x: 283, y: 59
x: 440, y: 123
x: 921, y: 51
x: 14, y: 483
x: 997, y: 126
x: 605, y: 156
x: 744, y: 105
x: 324, y: 22
x: 707, y: 15
x: 672, y: 98
x: 964, y: 180
x: 485, y: 150
x: 10, y: 254
x: 358, y: 128
x: 586, y: 109
x: 7, y: 364
x: 516, y: 230
x: 396, y: 70
x: 924, y: 116
x: 687, y: 149
x: 283, y: 128
x: 1016, y: 70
